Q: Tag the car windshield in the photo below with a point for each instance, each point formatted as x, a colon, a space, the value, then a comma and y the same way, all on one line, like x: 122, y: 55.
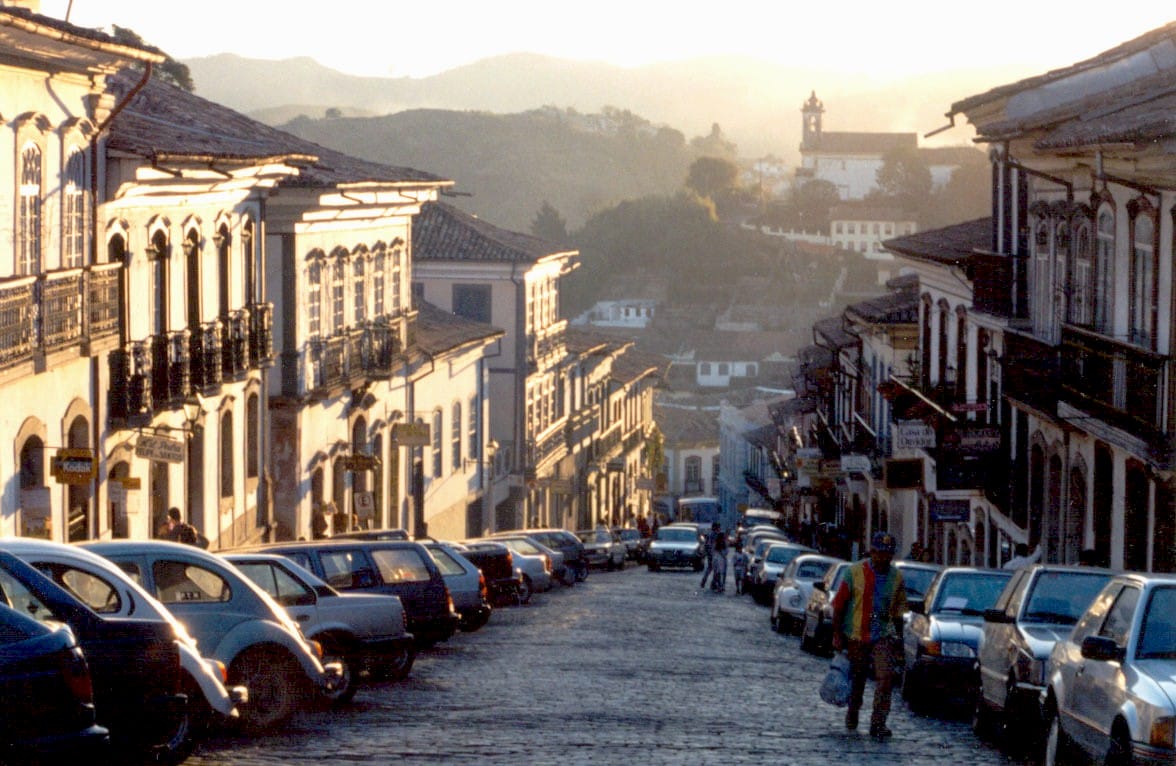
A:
x: 679, y: 535
x: 782, y: 555
x: 812, y: 570
x: 522, y: 546
x: 916, y: 580
x: 969, y: 592
x: 1062, y: 597
x: 445, y: 561
x: 1157, y: 639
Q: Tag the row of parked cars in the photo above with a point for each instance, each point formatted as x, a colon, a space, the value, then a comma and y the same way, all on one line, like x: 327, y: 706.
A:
x: 1061, y: 664
x: 146, y: 645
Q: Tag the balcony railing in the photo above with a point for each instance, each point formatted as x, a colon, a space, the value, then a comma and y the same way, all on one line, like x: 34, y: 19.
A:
x: 582, y: 424
x: 17, y: 310
x: 543, y: 449
x: 549, y: 342
x: 130, y: 382
x: 607, y: 442
x: 235, y: 344
x: 1000, y: 285
x: 207, y: 366
x: 381, y: 348
x: 60, y: 301
x: 103, y: 286
x: 261, y: 335
x: 1029, y: 371
x: 1115, y: 381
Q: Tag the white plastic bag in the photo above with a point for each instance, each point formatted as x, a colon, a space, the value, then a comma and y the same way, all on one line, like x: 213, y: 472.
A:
x: 835, y: 686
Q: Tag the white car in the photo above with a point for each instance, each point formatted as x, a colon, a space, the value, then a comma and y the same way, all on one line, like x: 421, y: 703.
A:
x: 793, y: 588
x: 776, y: 556
x: 364, y: 632
x: 108, y: 590
x: 1112, y: 686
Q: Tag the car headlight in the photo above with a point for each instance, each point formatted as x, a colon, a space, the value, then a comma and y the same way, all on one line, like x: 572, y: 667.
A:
x: 1163, y: 732
x: 957, y: 649
x: 794, y: 600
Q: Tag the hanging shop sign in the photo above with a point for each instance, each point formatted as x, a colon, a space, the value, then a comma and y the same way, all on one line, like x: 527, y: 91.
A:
x: 76, y: 465
x: 411, y: 434
x: 950, y: 510
x: 914, y: 434
x: 160, y: 448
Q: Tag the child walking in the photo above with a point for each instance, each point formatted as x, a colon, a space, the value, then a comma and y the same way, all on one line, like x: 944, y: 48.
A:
x: 719, y: 564
x: 739, y: 568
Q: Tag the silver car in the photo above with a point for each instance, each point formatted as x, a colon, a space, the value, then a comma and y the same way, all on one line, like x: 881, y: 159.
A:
x: 534, y: 561
x: 466, y: 585
x: 792, y: 591
x: 1112, y: 686
x: 364, y: 632
x: 776, y: 556
x: 108, y: 590
x: 233, y: 621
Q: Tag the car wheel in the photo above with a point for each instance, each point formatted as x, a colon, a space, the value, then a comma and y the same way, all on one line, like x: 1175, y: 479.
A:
x: 582, y: 573
x: 180, y: 738
x: 348, y: 683
x: 1058, y: 748
x: 525, y: 590
x: 983, y: 718
x: 273, y: 688
x: 475, y: 621
x: 398, y: 665
x: 568, y: 578
x: 609, y: 564
x: 1119, y: 753
x: 653, y: 566
x: 912, y: 691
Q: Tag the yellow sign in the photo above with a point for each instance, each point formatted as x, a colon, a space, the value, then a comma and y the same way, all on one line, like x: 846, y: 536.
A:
x: 131, y: 482
x: 74, y: 466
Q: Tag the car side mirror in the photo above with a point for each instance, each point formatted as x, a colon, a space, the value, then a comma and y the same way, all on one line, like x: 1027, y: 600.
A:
x: 918, y: 606
x: 996, y: 615
x: 1101, y: 648
x: 363, y: 578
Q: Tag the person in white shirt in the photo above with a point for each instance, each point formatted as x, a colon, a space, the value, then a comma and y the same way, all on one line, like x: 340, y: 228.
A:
x: 1022, y: 557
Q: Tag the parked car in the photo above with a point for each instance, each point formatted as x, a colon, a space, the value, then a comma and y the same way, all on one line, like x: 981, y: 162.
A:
x: 1111, y: 695
x: 366, y: 633
x: 533, y: 560
x: 563, y: 541
x: 675, y: 546
x: 631, y: 539
x: 504, y: 581
x: 1038, y: 607
x: 793, y: 588
x: 755, y: 545
x: 602, y: 548
x: 776, y: 556
x: 816, y: 634
x: 941, y: 637
x: 372, y: 534
x: 43, y: 668
x: 108, y: 590
x: 233, y: 621
x: 134, y: 663
x: 466, y: 585
x: 394, y: 567
x: 917, y: 577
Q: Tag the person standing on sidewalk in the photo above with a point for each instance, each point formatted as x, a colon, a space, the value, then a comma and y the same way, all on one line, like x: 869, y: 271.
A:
x: 867, y: 623
x: 708, y: 553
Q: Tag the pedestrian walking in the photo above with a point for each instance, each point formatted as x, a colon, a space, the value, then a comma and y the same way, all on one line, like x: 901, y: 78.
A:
x: 180, y: 531
x: 708, y: 552
x: 739, y: 568
x: 867, y: 624
x: 719, y: 564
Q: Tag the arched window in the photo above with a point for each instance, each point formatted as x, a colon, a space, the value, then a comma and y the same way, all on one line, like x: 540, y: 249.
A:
x: 396, y: 277
x: 925, y: 350
x: 359, y: 289
x: 314, y: 300
x: 1104, y: 268
x: 338, y: 286
x: 28, y: 216
x: 158, y: 253
x: 224, y: 270
x: 78, y: 495
x: 1081, y: 292
x: 961, y: 352
x: 252, y: 437
x: 226, y: 454
x: 378, y: 284
x: 192, y: 256
x: 455, y: 426
x: 73, y: 211
x: 474, y: 448
x: 692, y: 474
x: 1143, y: 275
x: 249, y: 263
x: 436, y: 436
x: 941, y: 349
x: 32, y: 463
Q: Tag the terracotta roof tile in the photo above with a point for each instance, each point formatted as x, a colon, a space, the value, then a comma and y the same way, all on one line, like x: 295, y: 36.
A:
x: 441, y: 232
x: 438, y: 331
x: 951, y: 245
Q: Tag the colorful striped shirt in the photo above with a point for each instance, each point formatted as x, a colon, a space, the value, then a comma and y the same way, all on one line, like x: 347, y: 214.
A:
x: 862, y: 618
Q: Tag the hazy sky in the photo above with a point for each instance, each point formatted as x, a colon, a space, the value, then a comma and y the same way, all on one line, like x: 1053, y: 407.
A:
x: 422, y: 37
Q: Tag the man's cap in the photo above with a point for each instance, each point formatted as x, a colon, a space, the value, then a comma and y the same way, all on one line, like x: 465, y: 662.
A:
x: 883, y: 542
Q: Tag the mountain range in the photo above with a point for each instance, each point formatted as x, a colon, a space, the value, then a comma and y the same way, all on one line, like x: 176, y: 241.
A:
x: 756, y: 104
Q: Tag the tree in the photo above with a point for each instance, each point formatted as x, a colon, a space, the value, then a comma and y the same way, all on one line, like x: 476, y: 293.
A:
x: 811, y: 203
x: 170, y: 71
x: 715, y: 144
x: 710, y: 177
x: 904, y: 178
x: 548, y: 224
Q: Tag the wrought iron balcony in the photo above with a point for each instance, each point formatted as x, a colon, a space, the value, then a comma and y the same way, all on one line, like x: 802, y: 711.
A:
x: 17, y: 311
x: 103, y: 287
x: 381, y: 348
x: 1000, y: 285
x: 261, y: 335
x: 131, y: 383
x: 1029, y: 371
x: 545, y: 447
x: 1114, y: 381
x: 170, y: 372
x: 207, y: 366
x: 329, y: 357
x: 235, y: 344
x: 60, y: 300
x: 582, y: 425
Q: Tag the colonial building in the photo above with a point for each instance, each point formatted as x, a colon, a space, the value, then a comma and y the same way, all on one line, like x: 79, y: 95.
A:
x: 62, y: 290
x: 482, y: 272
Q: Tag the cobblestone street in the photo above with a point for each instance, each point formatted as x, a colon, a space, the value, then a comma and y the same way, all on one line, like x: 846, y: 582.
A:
x: 629, y: 667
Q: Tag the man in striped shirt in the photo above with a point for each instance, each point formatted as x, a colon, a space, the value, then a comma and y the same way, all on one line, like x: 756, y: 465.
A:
x: 867, y: 623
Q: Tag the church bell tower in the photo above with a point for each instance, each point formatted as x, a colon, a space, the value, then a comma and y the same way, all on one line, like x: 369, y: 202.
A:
x: 811, y: 129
